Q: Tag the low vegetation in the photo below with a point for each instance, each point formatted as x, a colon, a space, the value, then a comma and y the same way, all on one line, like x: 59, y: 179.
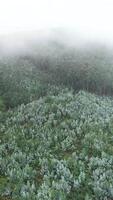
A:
x: 56, y: 135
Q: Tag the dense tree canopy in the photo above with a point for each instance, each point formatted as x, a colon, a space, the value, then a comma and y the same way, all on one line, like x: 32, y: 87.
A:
x: 56, y: 124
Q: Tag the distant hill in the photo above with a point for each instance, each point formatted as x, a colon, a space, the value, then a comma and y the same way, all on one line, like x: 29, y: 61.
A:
x: 54, y: 57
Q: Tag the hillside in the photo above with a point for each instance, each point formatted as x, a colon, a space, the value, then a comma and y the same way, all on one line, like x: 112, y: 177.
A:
x: 58, y: 147
x: 56, y: 118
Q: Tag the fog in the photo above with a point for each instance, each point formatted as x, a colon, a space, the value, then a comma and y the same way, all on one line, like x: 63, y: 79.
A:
x: 73, y: 21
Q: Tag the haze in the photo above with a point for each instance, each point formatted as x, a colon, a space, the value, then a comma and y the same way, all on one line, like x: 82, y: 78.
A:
x: 90, y: 18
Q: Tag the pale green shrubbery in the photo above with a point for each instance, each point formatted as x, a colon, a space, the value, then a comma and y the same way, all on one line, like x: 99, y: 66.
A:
x: 59, y: 147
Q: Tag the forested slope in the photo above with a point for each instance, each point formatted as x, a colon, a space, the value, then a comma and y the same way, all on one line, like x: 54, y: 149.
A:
x: 59, y: 147
x: 56, y: 122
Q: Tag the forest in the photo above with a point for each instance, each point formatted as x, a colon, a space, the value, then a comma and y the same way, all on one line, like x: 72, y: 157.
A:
x: 56, y: 122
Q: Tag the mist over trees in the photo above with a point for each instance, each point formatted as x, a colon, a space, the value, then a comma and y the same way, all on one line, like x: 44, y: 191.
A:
x: 56, y: 118
x: 54, y: 58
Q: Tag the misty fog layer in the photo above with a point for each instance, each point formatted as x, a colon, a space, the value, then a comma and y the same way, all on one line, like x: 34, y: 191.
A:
x: 22, y: 42
x: 57, y: 57
x: 91, y: 19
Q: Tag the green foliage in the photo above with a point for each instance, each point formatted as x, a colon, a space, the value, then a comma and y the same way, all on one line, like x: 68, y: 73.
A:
x: 24, y: 78
x: 58, y: 147
x: 19, y: 84
x: 2, y: 105
x: 56, y: 143
x: 89, y: 67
